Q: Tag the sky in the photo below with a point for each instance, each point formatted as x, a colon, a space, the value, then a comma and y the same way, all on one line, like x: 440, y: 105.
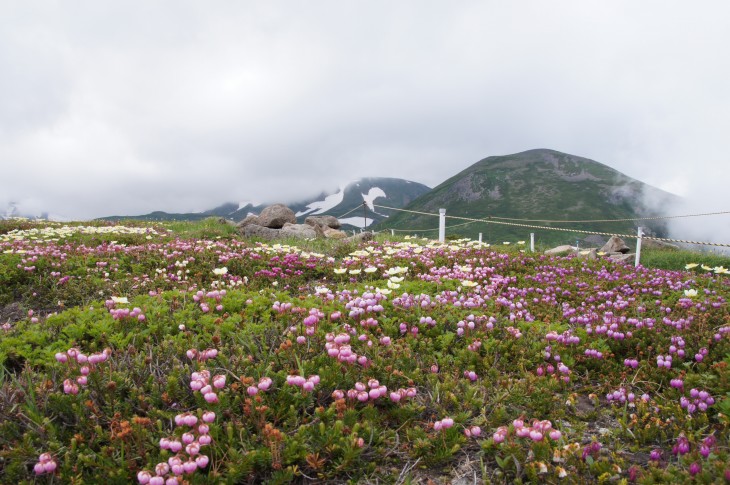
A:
x: 128, y: 107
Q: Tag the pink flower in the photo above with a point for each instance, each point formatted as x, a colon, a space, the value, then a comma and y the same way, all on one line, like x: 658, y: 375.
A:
x: 201, y: 461
x: 144, y: 477
x: 211, y: 397
x: 208, y: 416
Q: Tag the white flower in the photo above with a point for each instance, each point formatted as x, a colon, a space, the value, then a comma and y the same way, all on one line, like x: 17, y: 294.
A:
x: 468, y: 283
x: 691, y: 265
x: 120, y: 299
x: 219, y: 271
x: 720, y: 270
x: 371, y: 269
x: 392, y: 285
x: 690, y: 293
x: 321, y: 290
x: 354, y: 271
x: 396, y: 279
x: 340, y: 270
x: 384, y: 291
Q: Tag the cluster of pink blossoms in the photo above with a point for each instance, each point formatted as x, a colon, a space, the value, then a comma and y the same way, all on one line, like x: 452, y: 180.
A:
x: 215, y: 295
x: 338, y: 346
x: 192, y: 440
x: 306, y: 384
x: 85, y: 364
x: 373, y: 391
x: 201, y: 382
x: 536, y: 432
x: 46, y: 464
x: 263, y: 385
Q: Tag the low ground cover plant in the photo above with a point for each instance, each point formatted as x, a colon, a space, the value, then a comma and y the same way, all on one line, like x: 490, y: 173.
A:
x: 144, y: 355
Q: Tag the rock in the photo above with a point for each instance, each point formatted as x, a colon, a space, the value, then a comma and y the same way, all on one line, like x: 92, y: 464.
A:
x: 323, y: 221
x: 252, y: 219
x: 275, y: 216
x: 652, y: 244
x: 330, y: 233
x: 299, y: 231
x: 560, y: 249
x: 622, y: 257
x: 588, y: 253
x: 615, y: 245
x: 360, y: 237
x: 254, y: 230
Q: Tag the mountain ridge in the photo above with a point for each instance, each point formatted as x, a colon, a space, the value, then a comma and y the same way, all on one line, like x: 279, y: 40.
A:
x: 536, y: 184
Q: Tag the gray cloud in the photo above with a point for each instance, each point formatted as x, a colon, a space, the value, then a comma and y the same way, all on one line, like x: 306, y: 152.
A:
x: 122, y: 108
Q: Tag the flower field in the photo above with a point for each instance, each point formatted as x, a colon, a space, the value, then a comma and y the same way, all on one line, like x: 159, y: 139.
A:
x: 138, y: 354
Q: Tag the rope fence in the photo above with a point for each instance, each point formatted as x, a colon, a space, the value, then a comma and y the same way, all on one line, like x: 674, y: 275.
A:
x: 502, y: 221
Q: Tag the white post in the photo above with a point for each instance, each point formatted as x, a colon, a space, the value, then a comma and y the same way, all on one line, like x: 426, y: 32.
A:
x: 442, y: 225
x: 480, y: 238
x: 532, y: 242
x: 638, y: 247
x: 392, y: 232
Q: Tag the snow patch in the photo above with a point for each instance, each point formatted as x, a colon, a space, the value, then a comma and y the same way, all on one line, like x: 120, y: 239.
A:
x: 322, y: 206
x: 373, y: 194
x: 241, y: 205
x: 361, y: 222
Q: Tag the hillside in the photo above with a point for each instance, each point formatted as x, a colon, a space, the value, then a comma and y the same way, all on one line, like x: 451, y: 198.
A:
x: 346, y: 201
x: 536, y: 184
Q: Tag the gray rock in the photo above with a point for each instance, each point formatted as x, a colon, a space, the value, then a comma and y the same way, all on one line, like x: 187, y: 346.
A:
x: 261, y: 232
x: 560, y: 250
x: 360, y: 237
x: 652, y: 244
x: 615, y: 245
x: 275, y: 216
x: 588, y: 253
x: 323, y: 221
x: 330, y: 233
x: 252, y: 219
x: 299, y: 231
x: 622, y: 257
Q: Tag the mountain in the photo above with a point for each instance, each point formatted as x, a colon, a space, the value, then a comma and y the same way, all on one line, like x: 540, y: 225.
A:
x: 536, y: 184
x: 345, y: 204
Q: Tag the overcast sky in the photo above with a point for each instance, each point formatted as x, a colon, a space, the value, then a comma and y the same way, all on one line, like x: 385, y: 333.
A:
x: 127, y: 107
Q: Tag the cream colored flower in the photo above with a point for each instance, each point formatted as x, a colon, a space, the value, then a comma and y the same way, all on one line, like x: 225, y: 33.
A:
x: 690, y: 293
x: 219, y: 271
x: 393, y: 286
x: 340, y: 270
x: 120, y: 299
x: 691, y: 265
x: 371, y: 269
x: 468, y: 283
x: 354, y: 271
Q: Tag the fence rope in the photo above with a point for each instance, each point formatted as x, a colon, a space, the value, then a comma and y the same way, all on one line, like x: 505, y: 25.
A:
x: 652, y: 218
x: 563, y: 229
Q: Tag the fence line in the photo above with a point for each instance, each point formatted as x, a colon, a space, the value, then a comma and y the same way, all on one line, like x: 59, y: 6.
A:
x: 563, y: 229
x: 652, y: 218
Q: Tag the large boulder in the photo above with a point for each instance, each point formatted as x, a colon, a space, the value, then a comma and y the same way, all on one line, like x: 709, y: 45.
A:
x: 622, y: 256
x: 615, y: 245
x: 275, y: 216
x: 323, y: 221
x: 360, y: 237
x: 261, y: 232
x: 299, y: 231
x: 656, y: 244
x: 250, y: 219
x: 560, y: 250
x: 330, y: 233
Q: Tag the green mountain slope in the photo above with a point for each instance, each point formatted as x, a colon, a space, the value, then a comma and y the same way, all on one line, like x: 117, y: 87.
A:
x: 536, y: 184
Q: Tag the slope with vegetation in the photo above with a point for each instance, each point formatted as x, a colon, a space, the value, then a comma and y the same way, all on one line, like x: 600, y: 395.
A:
x: 536, y: 184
